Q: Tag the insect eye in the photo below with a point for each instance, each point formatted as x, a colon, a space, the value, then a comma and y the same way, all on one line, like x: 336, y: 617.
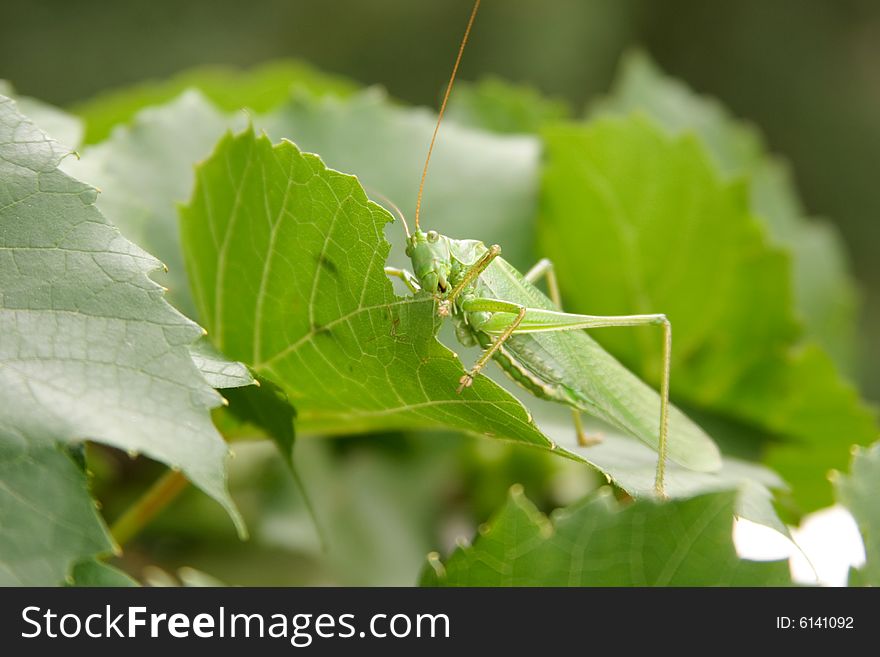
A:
x: 433, y: 236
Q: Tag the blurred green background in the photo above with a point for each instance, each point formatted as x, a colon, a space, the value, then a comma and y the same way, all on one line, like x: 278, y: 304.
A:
x: 806, y: 72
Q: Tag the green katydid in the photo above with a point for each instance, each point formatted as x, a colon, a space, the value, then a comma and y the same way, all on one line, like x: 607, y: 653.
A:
x: 538, y: 345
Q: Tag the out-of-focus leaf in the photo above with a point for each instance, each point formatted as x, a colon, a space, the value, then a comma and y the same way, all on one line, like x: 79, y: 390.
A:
x: 859, y: 491
x: 219, y: 371
x: 825, y: 293
x: 93, y: 573
x: 631, y: 465
x: 383, y: 501
x: 259, y: 89
x: 266, y: 406
x: 286, y: 258
x: 49, y: 521
x: 502, y: 107
x: 380, y: 509
x: 480, y: 186
x: 599, y: 543
x: 802, y: 397
x: 89, y: 348
x: 145, y: 169
x: 64, y: 128
x: 638, y: 222
x: 148, y: 165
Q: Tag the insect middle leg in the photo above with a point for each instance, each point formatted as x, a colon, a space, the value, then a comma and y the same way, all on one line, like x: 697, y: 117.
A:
x: 491, y: 305
x: 544, y: 269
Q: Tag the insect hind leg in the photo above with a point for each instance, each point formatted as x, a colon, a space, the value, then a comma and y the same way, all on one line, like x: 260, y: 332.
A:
x: 491, y: 305
x: 544, y: 269
x: 584, y: 439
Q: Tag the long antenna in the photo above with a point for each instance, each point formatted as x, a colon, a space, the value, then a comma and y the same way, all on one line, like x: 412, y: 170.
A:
x: 443, y: 108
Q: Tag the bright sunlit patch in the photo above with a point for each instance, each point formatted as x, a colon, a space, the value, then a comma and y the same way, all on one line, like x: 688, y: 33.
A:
x: 760, y: 543
x: 829, y: 538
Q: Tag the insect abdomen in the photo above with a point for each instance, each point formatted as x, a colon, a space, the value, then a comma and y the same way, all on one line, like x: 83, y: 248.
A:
x: 522, y: 375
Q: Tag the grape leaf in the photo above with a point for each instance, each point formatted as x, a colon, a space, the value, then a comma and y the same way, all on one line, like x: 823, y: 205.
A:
x: 89, y: 349
x: 141, y: 199
x: 858, y: 491
x: 286, y: 259
x: 93, y: 573
x: 631, y: 465
x: 218, y: 371
x: 58, y: 124
x: 266, y: 406
x: 260, y: 88
x: 145, y: 169
x: 499, y: 106
x: 598, y: 542
x: 644, y: 220
x: 825, y: 293
x: 349, y: 132
x: 481, y: 186
x: 48, y: 519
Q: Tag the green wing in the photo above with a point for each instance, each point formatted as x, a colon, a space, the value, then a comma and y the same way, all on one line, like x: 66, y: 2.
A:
x: 580, y: 373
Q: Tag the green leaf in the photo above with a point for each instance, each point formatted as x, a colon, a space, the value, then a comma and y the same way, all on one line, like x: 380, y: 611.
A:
x: 58, y: 124
x: 307, y: 306
x: 801, y: 396
x: 48, y: 518
x: 598, y: 542
x: 286, y: 259
x: 502, y: 107
x: 637, y: 222
x: 380, y: 502
x: 260, y: 89
x: 266, y: 406
x: 825, y: 292
x: 859, y: 491
x: 218, y: 371
x: 480, y: 186
x: 93, y: 573
x: 144, y: 170
x: 89, y: 348
x: 631, y: 465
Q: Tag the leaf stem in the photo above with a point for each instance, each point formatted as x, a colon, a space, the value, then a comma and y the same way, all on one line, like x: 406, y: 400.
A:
x: 150, y: 504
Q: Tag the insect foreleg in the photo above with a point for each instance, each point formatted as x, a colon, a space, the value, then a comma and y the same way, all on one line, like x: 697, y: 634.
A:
x: 469, y: 277
x: 407, y: 277
x: 491, y: 305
